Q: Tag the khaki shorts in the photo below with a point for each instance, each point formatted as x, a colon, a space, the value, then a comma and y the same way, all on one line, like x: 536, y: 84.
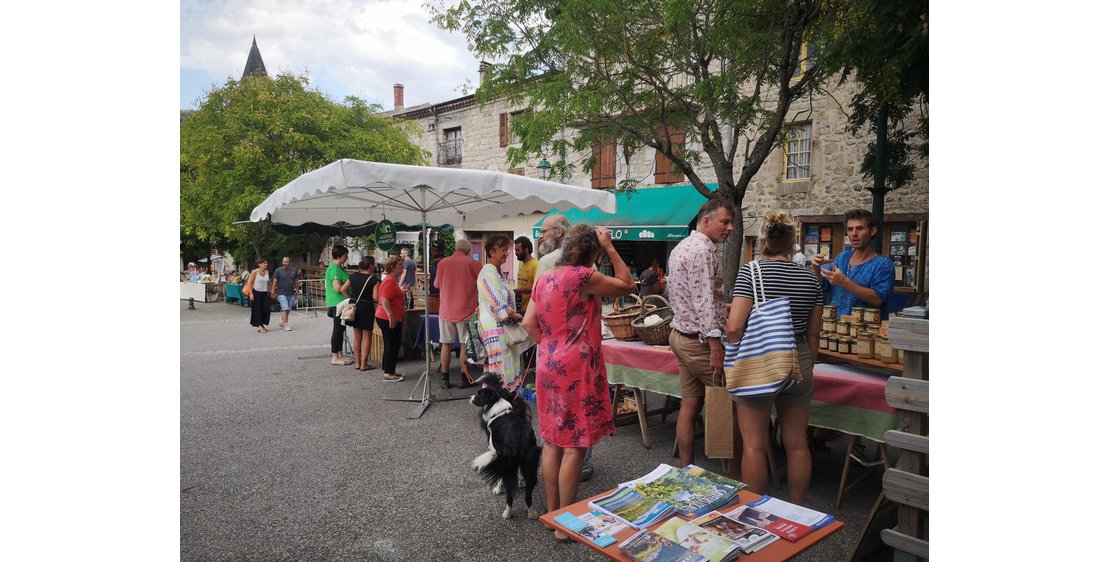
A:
x: 451, y: 332
x: 694, y: 369
x: 795, y: 396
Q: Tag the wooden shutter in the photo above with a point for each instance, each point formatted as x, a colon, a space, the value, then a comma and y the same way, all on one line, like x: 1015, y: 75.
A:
x: 517, y: 171
x: 605, y: 166
x: 504, y: 129
x: 665, y: 170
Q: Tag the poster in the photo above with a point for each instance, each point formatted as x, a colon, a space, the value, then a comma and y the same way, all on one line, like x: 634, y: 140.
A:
x: 825, y: 249
x: 898, y: 236
x: 810, y: 251
x: 826, y: 234
x: 811, y: 235
x: 897, y: 273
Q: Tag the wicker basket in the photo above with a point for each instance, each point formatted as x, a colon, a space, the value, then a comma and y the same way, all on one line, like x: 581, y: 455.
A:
x: 620, y: 320
x: 659, y: 333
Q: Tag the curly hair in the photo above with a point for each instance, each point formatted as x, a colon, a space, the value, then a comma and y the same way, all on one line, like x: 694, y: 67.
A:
x: 861, y: 215
x: 580, y: 247
x: 496, y: 242
x: 778, y: 233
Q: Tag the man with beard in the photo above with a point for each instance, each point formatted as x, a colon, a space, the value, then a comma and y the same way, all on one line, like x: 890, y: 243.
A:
x: 859, y: 276
x: 525, y: 280
x: 552, y: 232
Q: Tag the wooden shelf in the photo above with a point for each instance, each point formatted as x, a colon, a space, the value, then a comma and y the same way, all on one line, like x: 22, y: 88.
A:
x: 844, y: 358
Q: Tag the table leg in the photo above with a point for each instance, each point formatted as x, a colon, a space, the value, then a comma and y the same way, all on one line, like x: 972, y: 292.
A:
x: 852, y: 441
x: 641, y: 412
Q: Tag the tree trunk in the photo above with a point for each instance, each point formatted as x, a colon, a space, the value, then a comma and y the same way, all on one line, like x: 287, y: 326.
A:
x: 733, y: 247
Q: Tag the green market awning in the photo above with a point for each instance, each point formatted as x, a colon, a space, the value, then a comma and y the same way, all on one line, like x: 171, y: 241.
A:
x: 652, y: 214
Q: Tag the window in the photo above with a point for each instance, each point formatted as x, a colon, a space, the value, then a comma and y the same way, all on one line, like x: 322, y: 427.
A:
x: 667, y: 171
x: 807, y: 59
x: 508, y: 136
x: 450, y: 150
x: 796, y: 152
x: 605, y: 166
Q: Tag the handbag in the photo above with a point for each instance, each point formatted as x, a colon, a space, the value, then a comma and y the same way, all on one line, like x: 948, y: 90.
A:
x: 348, y: 312
x: 517, y: 336
x: 765, y: 361
x: 475, y: 349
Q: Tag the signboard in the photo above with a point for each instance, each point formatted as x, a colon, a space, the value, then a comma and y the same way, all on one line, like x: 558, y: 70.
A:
x: 640, y: 233
x: 385, y: 235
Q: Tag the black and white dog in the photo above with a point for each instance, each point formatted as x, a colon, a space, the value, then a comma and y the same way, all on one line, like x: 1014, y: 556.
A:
x: 512, y: 446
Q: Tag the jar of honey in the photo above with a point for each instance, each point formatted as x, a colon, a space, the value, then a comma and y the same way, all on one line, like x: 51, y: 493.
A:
x: 823, y: 340
x: 857, y: 314
x: 884, y: 351
x: 834, y: 342
x: 828, y: 325
x: 853, y: 330
x: 872, y: 315
x: 842, y: 328
x: 865, y: 345
x: 844, y: 345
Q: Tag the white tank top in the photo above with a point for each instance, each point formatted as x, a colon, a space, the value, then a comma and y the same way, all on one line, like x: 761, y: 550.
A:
x: 262, y: 282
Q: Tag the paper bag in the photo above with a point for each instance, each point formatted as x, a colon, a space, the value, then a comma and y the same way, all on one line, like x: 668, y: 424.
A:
x: 719, y: 423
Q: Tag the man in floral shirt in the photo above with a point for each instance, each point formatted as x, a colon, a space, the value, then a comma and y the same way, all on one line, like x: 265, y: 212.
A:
x: 697, y: 297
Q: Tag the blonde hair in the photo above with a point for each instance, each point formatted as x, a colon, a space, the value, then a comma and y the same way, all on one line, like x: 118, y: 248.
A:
x: 777, y: 233
x: 392, y: 262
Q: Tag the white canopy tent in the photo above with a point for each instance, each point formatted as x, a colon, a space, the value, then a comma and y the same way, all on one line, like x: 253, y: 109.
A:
x: 356, y: 192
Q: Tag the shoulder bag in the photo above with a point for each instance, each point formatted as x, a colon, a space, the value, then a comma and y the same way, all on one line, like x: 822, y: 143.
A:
x: 346, y: 308
x: 765, y: 361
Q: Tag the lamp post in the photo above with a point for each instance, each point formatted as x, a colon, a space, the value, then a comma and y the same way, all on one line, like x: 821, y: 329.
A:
x: 545, y: 169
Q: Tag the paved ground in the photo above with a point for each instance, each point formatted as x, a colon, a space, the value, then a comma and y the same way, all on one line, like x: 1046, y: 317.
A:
x: 285, y: 457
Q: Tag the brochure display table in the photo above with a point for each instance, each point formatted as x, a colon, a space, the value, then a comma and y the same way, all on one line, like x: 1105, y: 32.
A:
x: 779, y: 550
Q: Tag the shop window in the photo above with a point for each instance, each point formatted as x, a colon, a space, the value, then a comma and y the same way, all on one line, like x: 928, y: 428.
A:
x: 904, y: 244
x: 796, y: 152
x: 605, y: 166
x: 667, y: 171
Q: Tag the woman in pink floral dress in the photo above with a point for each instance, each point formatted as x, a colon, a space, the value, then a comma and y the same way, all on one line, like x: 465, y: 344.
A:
x: 572, y: 391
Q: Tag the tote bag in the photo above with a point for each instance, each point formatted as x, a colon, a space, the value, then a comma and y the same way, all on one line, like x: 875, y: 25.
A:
x: 765, y: 361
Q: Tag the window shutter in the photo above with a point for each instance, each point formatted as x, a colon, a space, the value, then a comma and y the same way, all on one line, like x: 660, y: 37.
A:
x: 665, y: 170
x: 504, y: 129
x: 605, y: 167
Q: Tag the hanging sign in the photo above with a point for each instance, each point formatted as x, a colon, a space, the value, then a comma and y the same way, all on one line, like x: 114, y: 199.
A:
x: 385, y: 235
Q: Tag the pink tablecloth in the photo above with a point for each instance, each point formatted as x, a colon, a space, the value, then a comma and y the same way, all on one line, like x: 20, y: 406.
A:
x: 845, y: 399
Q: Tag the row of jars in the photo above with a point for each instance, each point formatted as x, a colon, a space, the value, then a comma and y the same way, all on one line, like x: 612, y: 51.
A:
x: 859, y: 315
x: 865, y: 344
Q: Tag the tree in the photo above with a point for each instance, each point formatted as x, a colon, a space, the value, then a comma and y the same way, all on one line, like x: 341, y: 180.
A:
x: 884, y: 46
x: 647, y: 73
x: 252, y: 136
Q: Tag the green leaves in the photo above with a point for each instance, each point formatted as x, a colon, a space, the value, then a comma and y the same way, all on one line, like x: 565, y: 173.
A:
x: 250, y: 137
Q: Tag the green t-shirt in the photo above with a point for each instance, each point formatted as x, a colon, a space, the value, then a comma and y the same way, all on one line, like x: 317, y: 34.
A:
x: 332, y: 297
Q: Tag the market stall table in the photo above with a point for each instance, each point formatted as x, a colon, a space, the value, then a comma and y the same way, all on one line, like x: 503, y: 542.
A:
x: 200, y: 292
x: 845, y: 399
x: 779, y: 550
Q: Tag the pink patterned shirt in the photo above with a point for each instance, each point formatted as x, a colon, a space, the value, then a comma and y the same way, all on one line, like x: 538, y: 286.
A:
x: 695, y: 287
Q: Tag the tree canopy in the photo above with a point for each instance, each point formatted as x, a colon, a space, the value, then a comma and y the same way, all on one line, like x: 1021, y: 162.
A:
x: 695, y: 80
x: 251, y: 136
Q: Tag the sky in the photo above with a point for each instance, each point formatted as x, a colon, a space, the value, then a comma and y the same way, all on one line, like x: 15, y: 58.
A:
x: 345, y: 47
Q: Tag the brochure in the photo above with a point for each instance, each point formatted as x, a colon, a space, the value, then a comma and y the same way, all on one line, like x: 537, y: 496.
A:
x: 698, y: 540
x: 690, y: 495
x: 633, y: 508
x: 594, y: 525
x: 647, y: 545
x: 748, y: 537
x: 695, y: 470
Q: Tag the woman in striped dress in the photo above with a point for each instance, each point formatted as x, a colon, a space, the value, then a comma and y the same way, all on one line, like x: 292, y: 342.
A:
x: 781, y: 278
x: 495, y: 308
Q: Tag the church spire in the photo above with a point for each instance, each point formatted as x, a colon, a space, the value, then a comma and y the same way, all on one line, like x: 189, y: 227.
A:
x: 255, y: 66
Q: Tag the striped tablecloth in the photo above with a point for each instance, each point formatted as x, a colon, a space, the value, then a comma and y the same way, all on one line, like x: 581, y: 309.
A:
x: 845, y: 399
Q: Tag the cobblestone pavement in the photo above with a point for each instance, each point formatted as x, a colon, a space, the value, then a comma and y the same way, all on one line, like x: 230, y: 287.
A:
x: 286, y: 457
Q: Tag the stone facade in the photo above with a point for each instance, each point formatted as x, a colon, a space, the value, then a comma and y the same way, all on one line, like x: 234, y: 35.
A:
x: 834, y: 185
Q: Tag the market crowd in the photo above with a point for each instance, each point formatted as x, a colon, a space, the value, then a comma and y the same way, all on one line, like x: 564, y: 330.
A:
x: 552, y: 319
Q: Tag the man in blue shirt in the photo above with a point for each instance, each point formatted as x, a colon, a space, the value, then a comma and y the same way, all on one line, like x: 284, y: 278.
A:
x: 859, y: 276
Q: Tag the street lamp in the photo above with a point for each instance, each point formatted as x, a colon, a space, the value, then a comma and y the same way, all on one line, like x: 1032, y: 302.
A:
x: 545, y: 168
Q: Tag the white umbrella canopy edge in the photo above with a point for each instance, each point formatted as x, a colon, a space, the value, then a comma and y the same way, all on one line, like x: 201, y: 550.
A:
x: 355, y: 191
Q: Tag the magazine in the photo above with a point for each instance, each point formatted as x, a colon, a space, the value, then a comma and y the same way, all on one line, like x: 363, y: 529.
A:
x: 594, y: 525
x: 695, y: 470
x: 783, y: 526
x: 691, y: 496
x: 698, y: 540
x: 796, y: 513
x: 748, y: 537
x: 647, y: 545
x: 633, y: 508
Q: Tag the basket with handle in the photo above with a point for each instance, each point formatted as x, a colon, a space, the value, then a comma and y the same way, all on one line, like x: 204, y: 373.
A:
x: 620, y: 319
x: 656, y: 334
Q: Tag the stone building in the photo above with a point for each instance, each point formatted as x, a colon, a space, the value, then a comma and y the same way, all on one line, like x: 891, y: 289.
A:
x: 821, y: 181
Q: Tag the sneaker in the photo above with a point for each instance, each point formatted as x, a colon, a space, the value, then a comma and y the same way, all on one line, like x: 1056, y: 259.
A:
x: 392, y: 378
x: 286, y: 327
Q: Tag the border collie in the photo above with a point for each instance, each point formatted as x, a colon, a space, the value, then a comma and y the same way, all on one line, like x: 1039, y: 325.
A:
x: 512, y: 448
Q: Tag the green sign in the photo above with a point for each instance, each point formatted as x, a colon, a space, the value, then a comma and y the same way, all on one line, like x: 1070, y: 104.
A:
x: 385, y: 235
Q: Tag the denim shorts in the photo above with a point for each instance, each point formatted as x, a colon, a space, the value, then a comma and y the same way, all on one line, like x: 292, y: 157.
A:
x: 285, y: 301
